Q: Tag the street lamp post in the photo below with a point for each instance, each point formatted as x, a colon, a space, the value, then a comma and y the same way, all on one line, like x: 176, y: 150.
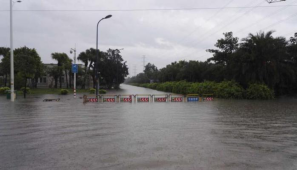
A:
x: 74, y: 74
x: 96, y: 64
x: 12, y: 95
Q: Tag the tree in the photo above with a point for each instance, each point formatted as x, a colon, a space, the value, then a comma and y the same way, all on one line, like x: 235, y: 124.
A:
x: 88, y: 58
x: 62, y: 62
x: 112, y: 68
x: 259, y: 58
x: 5, y: 63
x: 27, y: 63
x: 55, y: 73
x: 151, y: 71
x: 226, y: 47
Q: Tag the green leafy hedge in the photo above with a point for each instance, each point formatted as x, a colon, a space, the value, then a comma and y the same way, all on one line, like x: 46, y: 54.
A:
x: 207, y: 87
x: 225, y: 89
x: 27, y: 90
x: 3, y: 90
x: 92, y: 91
x: 259, y: 91
x: 101, y: 91
x: 64, y: 91
x: 229, y: 89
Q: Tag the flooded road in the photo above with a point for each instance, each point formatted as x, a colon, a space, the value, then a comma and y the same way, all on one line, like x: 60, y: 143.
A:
x: 220, y: 134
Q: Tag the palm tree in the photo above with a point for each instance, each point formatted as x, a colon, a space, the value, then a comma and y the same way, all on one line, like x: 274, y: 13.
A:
x: 62, y: 60
x: 88, y: 58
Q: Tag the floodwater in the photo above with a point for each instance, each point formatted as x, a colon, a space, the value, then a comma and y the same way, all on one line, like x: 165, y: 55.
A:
x: 220, y: 134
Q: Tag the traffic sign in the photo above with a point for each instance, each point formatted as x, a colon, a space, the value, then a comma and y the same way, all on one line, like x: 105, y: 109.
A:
x: 74, y: 68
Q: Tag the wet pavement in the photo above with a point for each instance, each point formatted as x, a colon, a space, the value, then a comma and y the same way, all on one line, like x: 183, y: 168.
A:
x: 220, y: 134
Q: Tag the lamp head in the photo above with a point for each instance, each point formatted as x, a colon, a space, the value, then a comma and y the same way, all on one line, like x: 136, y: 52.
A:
x: 19, y: 1
x: 108, y: 16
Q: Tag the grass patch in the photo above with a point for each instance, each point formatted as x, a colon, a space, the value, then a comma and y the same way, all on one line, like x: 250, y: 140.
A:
x: 52, y: 91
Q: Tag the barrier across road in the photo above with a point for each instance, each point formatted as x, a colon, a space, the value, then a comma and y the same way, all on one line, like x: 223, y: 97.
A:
x: 148, y: 98
x: 159, y: 98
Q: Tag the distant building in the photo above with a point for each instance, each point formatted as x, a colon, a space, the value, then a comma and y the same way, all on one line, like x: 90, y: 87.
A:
x: 48, y: 81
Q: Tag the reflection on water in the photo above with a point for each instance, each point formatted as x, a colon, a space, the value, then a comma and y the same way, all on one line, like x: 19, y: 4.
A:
x: 223, y: 134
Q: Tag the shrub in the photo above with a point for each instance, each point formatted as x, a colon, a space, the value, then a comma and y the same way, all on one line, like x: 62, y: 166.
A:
x: 92, y: 91
x: 27, y: 90
x: 207, y: 87
x: 229, y: 89
x: 101, y: 91
x: 3, y: 90
x: 64, y: 91
x: 167, y: 86
x: 258, y: 91
x: 152, y: 85
x: 181, y: 87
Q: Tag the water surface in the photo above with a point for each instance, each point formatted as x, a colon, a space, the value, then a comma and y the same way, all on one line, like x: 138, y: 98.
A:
x: 222, y: 134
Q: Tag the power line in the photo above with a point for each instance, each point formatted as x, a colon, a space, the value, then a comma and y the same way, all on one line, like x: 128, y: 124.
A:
x: 137, y: 10
x: 250, y: 25
x: 196, y: 29
x: 266, y: 26
x: 208, y: 19
x: 295, y: 14
x: 204, y: 35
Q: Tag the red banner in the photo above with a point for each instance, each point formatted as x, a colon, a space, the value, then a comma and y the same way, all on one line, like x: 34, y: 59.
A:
x: 160, y: 99
x: 93, y: 100
x: 143, y: 99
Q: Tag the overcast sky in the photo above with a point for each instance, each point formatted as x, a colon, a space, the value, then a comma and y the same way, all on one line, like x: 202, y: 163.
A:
x: 162, y: 36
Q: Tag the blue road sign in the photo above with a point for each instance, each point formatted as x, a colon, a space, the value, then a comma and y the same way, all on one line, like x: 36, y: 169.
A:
x: 192, y: 99
x: 74, y: 68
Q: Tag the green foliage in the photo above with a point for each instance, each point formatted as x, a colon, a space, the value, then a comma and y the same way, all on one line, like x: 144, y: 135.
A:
x: 258, y: 91
x: 224, y: 89
x: 151, y: 71
x: 102, y: 91
x: 64, y: 91
x: 207, y: 87
x: 27, y: 90
x: 3, y: 90
x: 167, y: 86
x: 92, y: 91
x: 229, y: 89
x: 111, y: 66
x: 18, y: 81
x: 259, y: 57
x: 152, y: 85
x: 63, y: 64
x: 181, y: 87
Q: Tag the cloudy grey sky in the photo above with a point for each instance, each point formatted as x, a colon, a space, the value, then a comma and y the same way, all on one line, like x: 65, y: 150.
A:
x: 162, y: 36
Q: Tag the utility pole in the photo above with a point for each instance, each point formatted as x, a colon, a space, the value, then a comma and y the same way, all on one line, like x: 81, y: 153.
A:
x: 12, y: 95
x: 11, y: 57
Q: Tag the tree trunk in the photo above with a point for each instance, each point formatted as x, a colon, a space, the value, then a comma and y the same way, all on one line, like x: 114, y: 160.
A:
x: 94, y: 81
x: 5, y: 80
x: 70, y: 78
x: 56, y: 82
x: 66, y: 80
x: 25, y: 90
x: 60, y: 80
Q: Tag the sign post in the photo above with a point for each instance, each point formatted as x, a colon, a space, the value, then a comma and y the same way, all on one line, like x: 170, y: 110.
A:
x: 75, y: 71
